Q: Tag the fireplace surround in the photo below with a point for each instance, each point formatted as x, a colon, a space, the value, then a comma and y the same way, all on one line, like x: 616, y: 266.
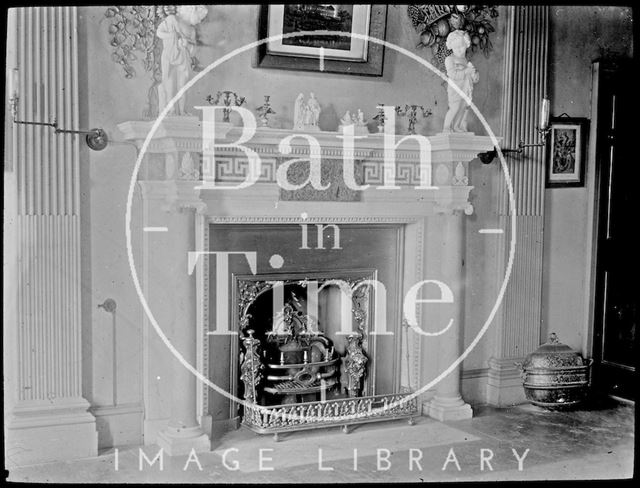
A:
x: 431, y: 227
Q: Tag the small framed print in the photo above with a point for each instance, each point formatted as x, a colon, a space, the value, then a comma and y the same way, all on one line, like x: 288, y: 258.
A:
x: 567, y: 147
x: 319, y: 51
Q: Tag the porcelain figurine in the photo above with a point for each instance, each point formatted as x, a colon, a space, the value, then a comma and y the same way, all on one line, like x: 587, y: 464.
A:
x: 461, y: 72
x: 298, y: 112
x: 346, y: 120
x: 313, y: 113
x: 360, y: 127
x: 306, y: 114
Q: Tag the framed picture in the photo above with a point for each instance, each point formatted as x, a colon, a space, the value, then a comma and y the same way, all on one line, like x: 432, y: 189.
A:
x: 319, y: 51
x: 567, y: 147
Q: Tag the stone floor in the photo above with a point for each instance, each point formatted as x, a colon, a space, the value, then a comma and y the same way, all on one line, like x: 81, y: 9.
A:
x: 595, y: 442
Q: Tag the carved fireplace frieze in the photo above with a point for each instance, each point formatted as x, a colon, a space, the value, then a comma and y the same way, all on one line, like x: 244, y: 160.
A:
x: 176, y: 153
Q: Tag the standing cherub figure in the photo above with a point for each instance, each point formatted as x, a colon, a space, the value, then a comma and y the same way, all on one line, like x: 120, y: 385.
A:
x: 461, y: 72
x: 178, y: 36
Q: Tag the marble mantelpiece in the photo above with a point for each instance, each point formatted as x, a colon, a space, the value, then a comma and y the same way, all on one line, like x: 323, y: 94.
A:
x: 171, y: 173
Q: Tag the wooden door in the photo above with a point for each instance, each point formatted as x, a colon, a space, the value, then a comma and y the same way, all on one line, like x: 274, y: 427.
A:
x: 616, y: 310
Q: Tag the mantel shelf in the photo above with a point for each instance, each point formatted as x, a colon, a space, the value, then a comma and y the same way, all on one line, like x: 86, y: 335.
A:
x: 188, y: 129
x: 176, y: 156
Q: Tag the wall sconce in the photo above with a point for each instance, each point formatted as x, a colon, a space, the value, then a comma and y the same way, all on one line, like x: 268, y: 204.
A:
x: 96, y: 139
x: 543, y: 130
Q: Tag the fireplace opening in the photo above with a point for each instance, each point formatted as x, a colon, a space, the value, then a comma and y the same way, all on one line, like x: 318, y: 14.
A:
x: 350, y: 375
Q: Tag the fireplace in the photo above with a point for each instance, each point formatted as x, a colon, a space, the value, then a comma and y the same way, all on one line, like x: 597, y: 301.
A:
x: 419, y: 235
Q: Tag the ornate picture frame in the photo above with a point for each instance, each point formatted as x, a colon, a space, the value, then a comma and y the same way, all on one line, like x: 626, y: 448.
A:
x: 566, y: 152
x: 363, y: 58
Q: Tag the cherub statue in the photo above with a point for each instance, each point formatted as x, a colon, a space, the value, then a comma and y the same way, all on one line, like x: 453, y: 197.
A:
x: 461, y: 72
x: 178, y: 35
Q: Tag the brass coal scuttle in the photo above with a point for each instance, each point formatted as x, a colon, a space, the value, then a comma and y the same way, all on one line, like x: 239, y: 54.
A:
x: 555, y: 376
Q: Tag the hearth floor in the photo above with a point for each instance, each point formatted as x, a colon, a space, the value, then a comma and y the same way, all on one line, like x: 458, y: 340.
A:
x: 595, y: 443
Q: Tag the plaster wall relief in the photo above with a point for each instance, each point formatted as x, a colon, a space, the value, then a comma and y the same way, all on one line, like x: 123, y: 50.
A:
x: 163, y: 40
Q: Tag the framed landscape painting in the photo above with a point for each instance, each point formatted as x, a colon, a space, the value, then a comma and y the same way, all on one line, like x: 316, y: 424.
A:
x: 318, y: 50
x: 567, y: 146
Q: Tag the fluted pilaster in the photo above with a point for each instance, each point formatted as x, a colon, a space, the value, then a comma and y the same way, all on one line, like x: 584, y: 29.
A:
x: 49, y: 415
x: 518, y: 323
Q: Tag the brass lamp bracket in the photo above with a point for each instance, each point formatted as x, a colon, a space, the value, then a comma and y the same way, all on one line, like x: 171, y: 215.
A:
x: 96, y: 138
x: 488, y: 156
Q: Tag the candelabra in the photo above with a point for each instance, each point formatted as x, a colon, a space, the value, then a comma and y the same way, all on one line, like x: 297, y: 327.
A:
x: 225, y: 98
x: 411, y: 111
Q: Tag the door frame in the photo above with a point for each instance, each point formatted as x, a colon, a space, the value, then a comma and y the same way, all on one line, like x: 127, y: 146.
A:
x: 592, y: 183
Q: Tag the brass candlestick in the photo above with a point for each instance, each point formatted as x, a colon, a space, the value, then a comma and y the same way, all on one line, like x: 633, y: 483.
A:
x: 380, y: 117
x: 265, y: 110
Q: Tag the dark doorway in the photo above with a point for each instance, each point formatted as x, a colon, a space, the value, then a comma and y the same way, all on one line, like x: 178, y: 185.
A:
x: 617, y: 293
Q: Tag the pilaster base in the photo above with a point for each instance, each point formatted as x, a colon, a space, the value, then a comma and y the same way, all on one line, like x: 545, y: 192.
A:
x: 179, y: 442
x: 40, y: 432
x: 504, y: 383
x: 448, y: 409
x: 119, y: 425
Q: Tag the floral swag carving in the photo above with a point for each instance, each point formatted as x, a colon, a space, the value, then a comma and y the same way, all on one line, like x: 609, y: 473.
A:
x: 435, y: 22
